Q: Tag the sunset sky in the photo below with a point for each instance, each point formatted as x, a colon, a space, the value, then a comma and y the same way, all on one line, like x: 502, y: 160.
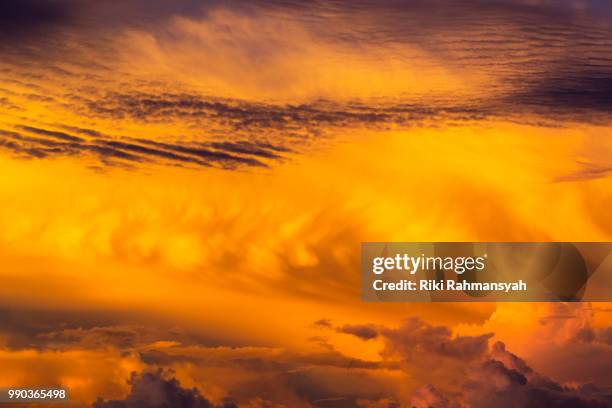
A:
x: 186, y: 184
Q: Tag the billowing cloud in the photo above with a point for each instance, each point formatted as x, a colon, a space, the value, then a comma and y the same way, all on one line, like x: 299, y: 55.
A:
x: 513, y: 383
x: 153, y: 390
x: 419, y: 365
x: 415, y: 337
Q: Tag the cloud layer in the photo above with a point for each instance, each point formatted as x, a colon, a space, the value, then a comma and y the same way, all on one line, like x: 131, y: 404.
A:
x: 257, y: 79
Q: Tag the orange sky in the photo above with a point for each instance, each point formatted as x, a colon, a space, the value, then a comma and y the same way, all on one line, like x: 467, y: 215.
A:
x: 188, y: 189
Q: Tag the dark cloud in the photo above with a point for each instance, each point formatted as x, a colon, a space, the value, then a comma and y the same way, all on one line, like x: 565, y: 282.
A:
x: 36, y: 142
x: 22, y: 20
x: 257, y: 117
x: 50, y: 133
x: 19, y: 18
x: 258, y: 134
x: 22, y: 329
x: 429, y: 396
x: 470, y: 371
x: 364, y: 332
x: 584, y: 354
x: 415, y: 337
x: 120, y: 337
x: 324, y: 323
x: 155, y: 390
x: 320, y: 387
x: 262, y: 150
x: 559, y: 50
x: 261, y: 361
x: 324, y: 380
x: 499, y: 352
x: 60, y: 331
x: 575, y: 92
x: 513, y: 383
x: 121, y: 330
x: 489, y: 376
x: 220, y: 155
x: 147, y: 151
x: 502, y: 379
x: 82, y: 131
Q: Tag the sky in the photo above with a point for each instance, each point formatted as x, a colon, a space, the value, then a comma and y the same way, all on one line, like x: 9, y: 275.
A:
x: 186, y: 185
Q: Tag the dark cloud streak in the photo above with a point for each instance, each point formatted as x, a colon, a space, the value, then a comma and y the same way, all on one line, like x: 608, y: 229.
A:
x: 50, y: 143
